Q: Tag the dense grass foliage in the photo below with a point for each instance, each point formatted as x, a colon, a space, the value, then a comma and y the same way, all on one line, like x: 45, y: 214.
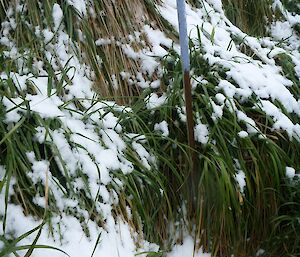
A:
x: 31, y: 140
x: 249, y: 15
x: 224, y: 218
x: 261, y: 215
x: 34, y: 135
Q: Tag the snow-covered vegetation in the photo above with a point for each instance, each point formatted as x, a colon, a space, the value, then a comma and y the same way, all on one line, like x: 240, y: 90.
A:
x: 94, y: 159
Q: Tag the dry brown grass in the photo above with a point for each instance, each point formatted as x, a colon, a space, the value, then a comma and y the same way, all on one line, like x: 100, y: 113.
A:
x: 115, y: 21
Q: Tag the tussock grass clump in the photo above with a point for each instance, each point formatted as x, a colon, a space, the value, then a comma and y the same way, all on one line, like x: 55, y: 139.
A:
x: 51, y: 165
x: 225, y: 216
x: 249, y: 15
x: 244, y: 200
x: 105, y: 33
x: 101, y: 30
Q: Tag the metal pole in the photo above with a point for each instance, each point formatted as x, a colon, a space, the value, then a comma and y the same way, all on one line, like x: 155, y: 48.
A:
x: 185, y: 59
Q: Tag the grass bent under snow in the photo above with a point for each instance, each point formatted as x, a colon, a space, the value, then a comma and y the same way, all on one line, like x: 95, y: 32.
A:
x: 84, y: 176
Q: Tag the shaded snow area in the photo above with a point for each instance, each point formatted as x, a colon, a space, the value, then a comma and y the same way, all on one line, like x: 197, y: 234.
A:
x: 91, y: 143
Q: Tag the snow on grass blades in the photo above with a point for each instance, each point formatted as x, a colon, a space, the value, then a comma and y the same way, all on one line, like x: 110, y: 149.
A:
x: 234, y: 170
x: 61, y: 148
x: 109, y: 35
x: 81, y: 167
x: 245, y: 144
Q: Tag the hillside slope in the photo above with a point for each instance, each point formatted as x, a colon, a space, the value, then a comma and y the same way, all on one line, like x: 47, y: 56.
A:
x: 94, y: 156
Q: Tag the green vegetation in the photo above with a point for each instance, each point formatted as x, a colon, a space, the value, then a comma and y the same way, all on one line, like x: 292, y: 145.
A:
x: 249, y: 15
x: 292, y: 6
x: 242, y: 218
x: 222, y: 219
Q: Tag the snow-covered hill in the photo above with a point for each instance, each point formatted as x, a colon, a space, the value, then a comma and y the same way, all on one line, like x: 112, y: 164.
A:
x: 74, y: 164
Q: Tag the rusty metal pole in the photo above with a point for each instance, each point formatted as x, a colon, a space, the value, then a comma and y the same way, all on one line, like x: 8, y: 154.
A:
x: 185, y: 59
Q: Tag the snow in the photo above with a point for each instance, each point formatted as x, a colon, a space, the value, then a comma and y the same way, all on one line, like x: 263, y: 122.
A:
x: 103, y: 41
x: 57, y: 15
x: 108, y: 159
x: 281, y: 30
x: 137, y: 137
x: 91, y: 144
x: 281, y: 121
x: 143, y: 154
x: 201, y: 133
x: 261, y: 78
x: 2, y: 172
x: 243, y: 134
x: 290, y: 172
x: 79, y: 5
x: 13, y: 114
x: 260, y: 252
x: 217, y: 110
x: 40, y: 170
x: 163, y: 127
x: 157, y: 39
x: 240, y: 178
x: 250, y: 123
x: 220, y: 98
x: 46, y: 107
x: 267, y: 83
x: 19, y: 80
x: 228, y: 88
x: 155, y: 84
x: 187, y: 249
x: 48, y: 35
x: 155, y: 101
x: 114, y: 82
x: 217, y: 4
x: 116, y: 239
